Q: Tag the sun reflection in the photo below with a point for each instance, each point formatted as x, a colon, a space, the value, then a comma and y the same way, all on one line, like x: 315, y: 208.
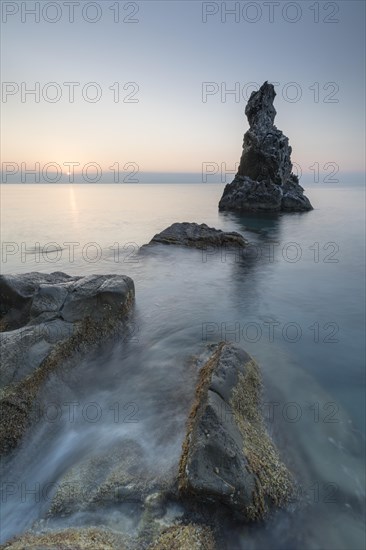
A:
x: 72, y: 197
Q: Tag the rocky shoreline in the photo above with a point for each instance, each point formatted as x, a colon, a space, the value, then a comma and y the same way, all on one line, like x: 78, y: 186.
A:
x: 227, y: 460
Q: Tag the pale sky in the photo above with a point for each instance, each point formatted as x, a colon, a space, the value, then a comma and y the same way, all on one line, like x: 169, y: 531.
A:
x: 163, y: 60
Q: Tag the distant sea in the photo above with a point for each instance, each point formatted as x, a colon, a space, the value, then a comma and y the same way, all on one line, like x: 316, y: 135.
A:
x: 294, y: 300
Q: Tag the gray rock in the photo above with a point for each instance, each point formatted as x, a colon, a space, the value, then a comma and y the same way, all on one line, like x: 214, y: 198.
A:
x: 17, y: 292
x: 81, y: 538
x: 185, y: 537
x: 120, y: 478
x: 23, y: 350
x: 50, y: 320
x: 293, y: 199
x: 264, y: 181
x: 245, y: 194
x: 97, y: 296
x: 227, y: 455
x: 113, y: 475
x: 27, y: 297
x: 49, y: 298
x: 198, y: 236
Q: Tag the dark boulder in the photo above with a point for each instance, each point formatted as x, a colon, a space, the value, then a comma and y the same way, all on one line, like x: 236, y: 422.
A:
x: 47, y: 320
x: 228, y: 456
x: 17, y: 293
x: 245, y: 194
x: 264, y: 182
x: 196, y: 235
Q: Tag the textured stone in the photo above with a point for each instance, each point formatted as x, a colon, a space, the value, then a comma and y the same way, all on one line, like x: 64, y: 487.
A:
x: 227, y: 455
x: 185, y: 537
x: 70, y: 539
x: 17, y: 292
x: 23, y: 350
x: 47, y: 320
x: 245, y: 194
x: 196, y: 235
x: 264, y: 182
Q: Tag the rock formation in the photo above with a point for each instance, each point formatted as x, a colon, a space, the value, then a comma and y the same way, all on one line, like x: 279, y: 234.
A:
x: 185, y: 537
x: 227, y: 456
x: 264, y: 182
x: 177, y: 537
x: 45, y: 319
x: 200, y: 236
x: 70, y: 539
x: 228, y: 464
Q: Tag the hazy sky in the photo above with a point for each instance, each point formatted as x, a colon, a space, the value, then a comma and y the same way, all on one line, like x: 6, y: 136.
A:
x: 163, y: 120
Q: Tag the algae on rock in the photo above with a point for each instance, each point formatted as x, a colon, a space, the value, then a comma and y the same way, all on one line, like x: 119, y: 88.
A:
x: 227, y: 455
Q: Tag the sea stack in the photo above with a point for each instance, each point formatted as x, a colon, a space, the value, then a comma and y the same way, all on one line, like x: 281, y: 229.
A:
x: 264, y: 181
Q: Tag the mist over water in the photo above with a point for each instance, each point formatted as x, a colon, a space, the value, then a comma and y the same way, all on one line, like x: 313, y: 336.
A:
x: 295, y: 303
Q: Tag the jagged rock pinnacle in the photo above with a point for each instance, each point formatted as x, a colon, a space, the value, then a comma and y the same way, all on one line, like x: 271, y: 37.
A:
x: 264, y: 181
x: 266, y: 152
x: 260, y: 109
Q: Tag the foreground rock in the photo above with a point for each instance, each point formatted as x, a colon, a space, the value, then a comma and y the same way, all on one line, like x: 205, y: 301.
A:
x: 227, y: 455
x: 117, y: 475
x: 45, y: 320
x: 185, y: 537
x: 179, y: 537
x: 264, y: 182
x: 70, y: 539
x: 228, y: 467
x: 198, y: 236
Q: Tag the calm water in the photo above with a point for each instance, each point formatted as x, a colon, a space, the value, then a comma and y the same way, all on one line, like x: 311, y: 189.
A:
x: 295, y: 302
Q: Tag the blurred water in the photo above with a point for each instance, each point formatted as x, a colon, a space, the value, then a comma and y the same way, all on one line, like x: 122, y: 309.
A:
x: 295, y: 302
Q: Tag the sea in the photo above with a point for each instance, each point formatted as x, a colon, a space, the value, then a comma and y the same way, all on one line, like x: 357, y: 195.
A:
x: 294, y: 300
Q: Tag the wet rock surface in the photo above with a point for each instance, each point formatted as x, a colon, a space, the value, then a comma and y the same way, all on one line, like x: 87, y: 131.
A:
x: 195, y: 235
x: 227, y: 456
x: 45, y: 319
x: 179, y: 537
x: 185, y: 537
x: 264, y: 181
x: 228, y: 468
x: 70, y: 539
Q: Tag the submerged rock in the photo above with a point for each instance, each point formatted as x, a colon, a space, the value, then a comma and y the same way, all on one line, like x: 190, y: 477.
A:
x: 71, y: 539
x: 196, y: 235
x: 227, y: 455
x: 47, y: 319
x: 178, y: 537
x: 264, y: 181
x: 185, y: 537
x: 117, y: 475
x: 24, y: 349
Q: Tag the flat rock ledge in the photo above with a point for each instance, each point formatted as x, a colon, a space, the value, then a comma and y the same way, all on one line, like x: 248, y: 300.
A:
x: 264, y: 182
x: 47, y: 320
x: 228, y: 457
x: 196, y: 235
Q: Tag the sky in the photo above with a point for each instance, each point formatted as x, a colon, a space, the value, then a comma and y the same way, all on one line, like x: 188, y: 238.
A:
x: 151, y: 85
